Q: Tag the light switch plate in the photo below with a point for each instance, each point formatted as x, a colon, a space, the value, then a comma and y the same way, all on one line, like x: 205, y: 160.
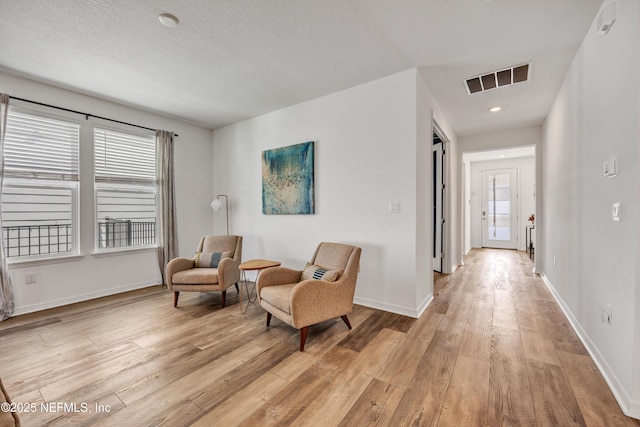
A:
x: 610, y: 168
x: 616, y: 211
x: 394, y: 207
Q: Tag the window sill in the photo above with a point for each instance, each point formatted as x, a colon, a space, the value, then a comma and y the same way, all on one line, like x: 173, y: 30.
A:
x: 17, y: 263
x: 122, y: 251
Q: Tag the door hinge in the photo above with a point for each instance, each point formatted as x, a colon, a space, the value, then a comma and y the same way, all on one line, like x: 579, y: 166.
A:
x: 443, y: 220
x: 444, y: 186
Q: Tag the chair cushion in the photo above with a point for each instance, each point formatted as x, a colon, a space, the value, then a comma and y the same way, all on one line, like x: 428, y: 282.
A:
x: 318, y: 273
x: 196, y: 276
x: 278, y: 296
x: 210, y: 259
x: 219, y: 244
x: 332, y: 256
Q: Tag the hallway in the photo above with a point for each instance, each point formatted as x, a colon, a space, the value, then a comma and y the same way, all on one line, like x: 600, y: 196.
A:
x: 512, y: 343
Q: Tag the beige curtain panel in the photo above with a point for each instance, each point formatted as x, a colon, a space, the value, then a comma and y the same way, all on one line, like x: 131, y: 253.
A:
x: 6, y: 291
x: 166, y: 226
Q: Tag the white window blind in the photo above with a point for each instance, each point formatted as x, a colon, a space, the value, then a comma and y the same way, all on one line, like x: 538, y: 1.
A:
x: 39, y: 195
x: 125, y: 177
x: 37, y: 147
x: 124, y: 158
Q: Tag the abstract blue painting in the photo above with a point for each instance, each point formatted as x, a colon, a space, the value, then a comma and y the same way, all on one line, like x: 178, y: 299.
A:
x: 287, y: 180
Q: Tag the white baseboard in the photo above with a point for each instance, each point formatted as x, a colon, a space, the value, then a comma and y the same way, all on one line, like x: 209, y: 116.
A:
x: 629, y: 407
x: 634, y: 409
x: 79, y: 298
x: 392, y: 308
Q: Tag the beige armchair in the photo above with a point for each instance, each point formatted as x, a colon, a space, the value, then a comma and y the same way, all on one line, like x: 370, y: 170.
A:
x: 301, y: 301
x: 183, y: 275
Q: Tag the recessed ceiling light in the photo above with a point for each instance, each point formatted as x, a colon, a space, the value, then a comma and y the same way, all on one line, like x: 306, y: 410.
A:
x: 501, y: 156
x: 168, y: 20
x: 495, y: 109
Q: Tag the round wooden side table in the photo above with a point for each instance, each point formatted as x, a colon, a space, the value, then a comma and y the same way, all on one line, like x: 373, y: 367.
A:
x: 252, y: 265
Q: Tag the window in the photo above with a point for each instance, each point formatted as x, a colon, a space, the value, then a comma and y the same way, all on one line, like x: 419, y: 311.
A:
x: 125, y: 193
x: 40, y: 192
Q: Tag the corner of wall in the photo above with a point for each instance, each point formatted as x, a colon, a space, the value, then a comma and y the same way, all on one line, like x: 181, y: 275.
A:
x: 392, y: 308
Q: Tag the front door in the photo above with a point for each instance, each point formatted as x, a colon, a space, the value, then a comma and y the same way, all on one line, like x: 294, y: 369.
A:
x: 500, y: 209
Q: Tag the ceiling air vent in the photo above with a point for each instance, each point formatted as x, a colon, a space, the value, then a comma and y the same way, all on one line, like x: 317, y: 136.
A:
x: 497, y: 79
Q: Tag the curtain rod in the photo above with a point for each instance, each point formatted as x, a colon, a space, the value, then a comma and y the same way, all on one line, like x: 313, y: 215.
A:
x: 86, y: 115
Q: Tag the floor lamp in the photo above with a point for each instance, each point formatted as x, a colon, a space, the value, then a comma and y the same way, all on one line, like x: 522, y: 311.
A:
x: 217, y: 204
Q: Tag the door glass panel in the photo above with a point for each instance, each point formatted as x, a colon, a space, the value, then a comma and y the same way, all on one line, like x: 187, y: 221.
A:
x: 502, y: 194
x: 498, y: 207
x: 502, y: 208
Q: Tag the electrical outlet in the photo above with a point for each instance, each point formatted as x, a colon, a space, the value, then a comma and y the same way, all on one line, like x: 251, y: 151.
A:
x: 31, y: 278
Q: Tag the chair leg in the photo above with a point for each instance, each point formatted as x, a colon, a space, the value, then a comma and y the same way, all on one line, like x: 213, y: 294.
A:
x: 224, y: 297
x: 346, y: 320
x: 175, y: 298
x: 237, y: 288
x: 303, y: 337
x: 268, y: 318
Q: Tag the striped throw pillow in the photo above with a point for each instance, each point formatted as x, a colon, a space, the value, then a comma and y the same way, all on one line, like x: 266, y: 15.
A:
x: 210, y: 259
x: 318, y: 273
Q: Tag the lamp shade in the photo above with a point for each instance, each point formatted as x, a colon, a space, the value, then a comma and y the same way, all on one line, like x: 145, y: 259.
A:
x: 216, y: 204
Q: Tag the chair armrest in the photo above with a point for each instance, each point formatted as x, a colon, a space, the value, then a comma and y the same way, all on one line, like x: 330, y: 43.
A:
x: 277, y: 276
x: 228, y: 272
x: 314, y: 301
x: 175, y: 265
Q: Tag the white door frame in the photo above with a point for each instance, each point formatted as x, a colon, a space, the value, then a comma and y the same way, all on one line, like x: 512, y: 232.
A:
x: 438, y: 151
x: 445, y: 256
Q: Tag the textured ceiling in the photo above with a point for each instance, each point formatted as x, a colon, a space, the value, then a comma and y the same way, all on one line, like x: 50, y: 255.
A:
x: 229, y: 60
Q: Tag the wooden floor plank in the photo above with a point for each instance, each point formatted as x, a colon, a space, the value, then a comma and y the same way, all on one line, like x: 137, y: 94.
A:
x: 335, y: 401
x: 401, y: 366
x: 197, y: 380
x: 284, y: 407
x: 558, y: 329
x: 245, y: 403
x: 234, y: 380
x: 538, y: 346
x: 467, y: 396
x: 374, y: 407
x: 361, y: 337
x: 596, y: 402
x: 423, y: 399
x: 510, y: 401
x: 476, y: 338
x: 553, y: 400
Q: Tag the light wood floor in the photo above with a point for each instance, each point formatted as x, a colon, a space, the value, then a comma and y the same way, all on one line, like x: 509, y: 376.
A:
x: 493, y: 348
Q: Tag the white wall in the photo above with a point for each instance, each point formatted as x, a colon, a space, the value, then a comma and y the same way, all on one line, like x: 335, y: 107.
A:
x: 636, y: 352
x: 372, y: 147
x: 594, y: 118
x: 526, y: 200
x: 89, y: 275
